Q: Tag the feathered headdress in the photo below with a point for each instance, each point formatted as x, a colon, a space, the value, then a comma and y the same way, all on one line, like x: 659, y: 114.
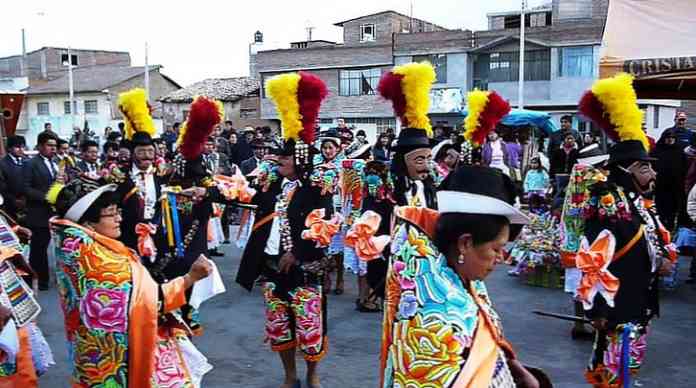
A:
x: 612, y: 105
x: 297, y: 97
x: 408, y: 88
x: 136, y: 113
x: 486, y: 109
x: 204, y: 115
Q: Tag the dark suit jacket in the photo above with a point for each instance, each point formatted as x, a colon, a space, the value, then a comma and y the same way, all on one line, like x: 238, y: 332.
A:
x: 11, y: 183
x: 82, y: 166
x: 305, y: 199
x: 37, y: 180
x: 248, y: 166
x: 133, y: 207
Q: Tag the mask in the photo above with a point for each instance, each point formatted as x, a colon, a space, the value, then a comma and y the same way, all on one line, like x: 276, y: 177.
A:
x: 418, y: 163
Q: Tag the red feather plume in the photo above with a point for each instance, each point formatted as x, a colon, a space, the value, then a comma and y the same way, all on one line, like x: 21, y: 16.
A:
x: 495, y: 110
x: 390, y: 89
x: 590, y: 107
x: 202, y: 118
x: 311, y: 90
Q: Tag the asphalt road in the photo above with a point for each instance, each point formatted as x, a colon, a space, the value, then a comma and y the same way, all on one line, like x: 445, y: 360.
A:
x: 234, y: 340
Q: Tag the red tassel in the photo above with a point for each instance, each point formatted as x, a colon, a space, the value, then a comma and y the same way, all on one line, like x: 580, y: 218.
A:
x: 310, y: 92
x: 495, y: 110
x: 590, y: 107
x: 390, y: 89
x: 202, y: 118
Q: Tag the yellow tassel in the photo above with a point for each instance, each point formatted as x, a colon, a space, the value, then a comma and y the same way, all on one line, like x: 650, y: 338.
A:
x: 182, y: 132
x: 282, y: 90
x: 476, y: 103
x: 53, y: 192
x: 416, y: 84
x: 621, y: 104
x: 133, y: 105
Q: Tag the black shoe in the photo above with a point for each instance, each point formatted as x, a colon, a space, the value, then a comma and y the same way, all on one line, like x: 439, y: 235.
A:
x: 43, y: 287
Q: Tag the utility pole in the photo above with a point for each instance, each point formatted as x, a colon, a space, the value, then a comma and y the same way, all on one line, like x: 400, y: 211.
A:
x: 71, y: 89
x: 520, y: 82
x: 147, y: 76
x: 24, y: 55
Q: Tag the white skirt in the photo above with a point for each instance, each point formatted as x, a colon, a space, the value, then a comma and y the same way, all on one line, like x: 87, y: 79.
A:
x: 215, y: 233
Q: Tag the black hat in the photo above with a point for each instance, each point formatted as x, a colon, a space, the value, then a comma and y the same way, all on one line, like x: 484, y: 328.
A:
x: 628, y: 151
x: 125, y: 143
x: 479, y: 190
x: 330, y: 135
x: 259, y: 143
x: 411, y: 139
x: 360, y: 133
x: 16, y: 141
x: 141, y: 139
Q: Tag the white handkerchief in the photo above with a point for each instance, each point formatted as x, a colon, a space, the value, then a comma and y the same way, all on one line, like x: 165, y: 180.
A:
x: 205, y: 289
x: 9, y: 341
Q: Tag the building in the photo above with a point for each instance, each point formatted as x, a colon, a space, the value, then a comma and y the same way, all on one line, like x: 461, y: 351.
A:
x: 240, y: 98
x: 562, y: 43
x: 98, y: 78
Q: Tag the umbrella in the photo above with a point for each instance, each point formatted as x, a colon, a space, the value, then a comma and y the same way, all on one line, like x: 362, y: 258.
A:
x: 524, y: 117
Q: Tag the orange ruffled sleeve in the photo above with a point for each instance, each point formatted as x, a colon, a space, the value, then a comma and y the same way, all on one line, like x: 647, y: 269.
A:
x: 174, y: 294
x: 320, y: 230
x: 361, y: 236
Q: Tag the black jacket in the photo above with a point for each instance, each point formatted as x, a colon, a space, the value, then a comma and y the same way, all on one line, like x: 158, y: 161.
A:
x: 248, y: 165
x: 305, y: 199
x: 11, y: 183
x: 671, y: 168
x: 83, y: 167
x: 133, y: 207
x: 37, y: 180
x: 562, y: 162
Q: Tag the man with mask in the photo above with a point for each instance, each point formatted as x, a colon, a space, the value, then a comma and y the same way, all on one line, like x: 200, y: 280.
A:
x: 624, y: 247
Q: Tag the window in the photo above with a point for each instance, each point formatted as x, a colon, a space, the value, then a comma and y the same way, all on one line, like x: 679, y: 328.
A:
x: 504, y: 67
x: 42, y: 109
x: 66, y: 107
x: 245, y: 113
x: 539, y: 19
x: 367, y: 33
x: 656, y: 116
x: 64, y: 59
x: 382, y: 123
x: 91, y: 107
x: 439, y: 62
x: 576, y: 62
x: 358, y: 82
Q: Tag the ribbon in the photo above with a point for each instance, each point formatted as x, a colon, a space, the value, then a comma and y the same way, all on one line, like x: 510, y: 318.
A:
x: 625, y: 354
x: 175, y: 224
x: 320, y: 230
x: 593, y: 262
x: 167, y: 220
x: 361, y: 236
x: 146, y: 247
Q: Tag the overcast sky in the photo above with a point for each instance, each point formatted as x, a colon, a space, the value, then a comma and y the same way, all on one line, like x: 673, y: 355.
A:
x: 201, y: 39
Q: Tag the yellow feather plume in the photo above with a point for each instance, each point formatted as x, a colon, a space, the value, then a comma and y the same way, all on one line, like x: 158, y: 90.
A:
x: 476, y: 103
x: 136, y: 112
x: 416, y: 84
x: 53, y: 192
x: 282, y: 90
x: 620, y: 102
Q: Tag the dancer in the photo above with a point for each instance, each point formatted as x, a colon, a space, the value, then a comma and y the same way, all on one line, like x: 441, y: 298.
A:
x: 625, y: 247
x: 291, y: 259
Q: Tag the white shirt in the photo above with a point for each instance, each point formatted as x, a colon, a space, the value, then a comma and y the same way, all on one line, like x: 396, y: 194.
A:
x: 418, y: 199
x: 146, y: 189
x: 498, y: 157
x: 273, y: 242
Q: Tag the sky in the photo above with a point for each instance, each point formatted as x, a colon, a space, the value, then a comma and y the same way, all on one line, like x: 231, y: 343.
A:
x: 195, y: 40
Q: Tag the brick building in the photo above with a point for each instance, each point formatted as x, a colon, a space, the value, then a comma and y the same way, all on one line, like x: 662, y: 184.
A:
x: 561, y: 61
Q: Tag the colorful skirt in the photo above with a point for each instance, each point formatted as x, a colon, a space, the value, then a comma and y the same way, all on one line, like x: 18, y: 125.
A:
x: 617, y: 356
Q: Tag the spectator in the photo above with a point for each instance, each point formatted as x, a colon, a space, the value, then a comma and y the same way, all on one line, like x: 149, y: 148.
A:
x: 495, y: 153
x: 536, y: 184
x: 361, y: 137
x: 170, y: 135
x: 110, y: 155
x: 515, y: 153
x: 439, y: 134
x: 684, y: 134
x: 48, y: 127
x: 89, y: 157
x: 11, y: 183
x: 446, y: 159
x: 122, y: 128
x: 63, y: 150
x: 380, y: 152
x: 346, y: 135
x: 39, y: 174
x: 228, y: 128
x: 557, y: 137
x: 671, y: 167
x: 564, y: 158
x: 260, y: 148
x: 244, y: 143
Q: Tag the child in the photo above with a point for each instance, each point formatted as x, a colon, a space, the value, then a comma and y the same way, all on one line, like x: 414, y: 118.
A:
x: 536, y: 183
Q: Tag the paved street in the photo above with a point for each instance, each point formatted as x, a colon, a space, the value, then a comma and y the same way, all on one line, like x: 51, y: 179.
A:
x: 234, y: 339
